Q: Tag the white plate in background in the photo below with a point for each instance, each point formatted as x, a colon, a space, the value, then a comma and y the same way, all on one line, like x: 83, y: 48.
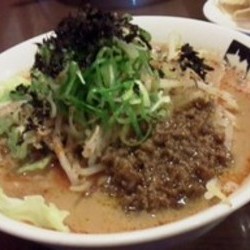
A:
x: 214, y: 14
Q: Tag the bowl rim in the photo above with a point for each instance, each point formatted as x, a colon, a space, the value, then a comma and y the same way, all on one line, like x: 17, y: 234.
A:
x: 190, y: 223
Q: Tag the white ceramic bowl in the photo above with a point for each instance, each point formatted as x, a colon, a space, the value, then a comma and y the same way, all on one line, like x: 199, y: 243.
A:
x: 197, y: 33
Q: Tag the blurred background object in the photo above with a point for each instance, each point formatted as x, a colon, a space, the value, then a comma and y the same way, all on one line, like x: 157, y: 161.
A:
x: 114, y: 4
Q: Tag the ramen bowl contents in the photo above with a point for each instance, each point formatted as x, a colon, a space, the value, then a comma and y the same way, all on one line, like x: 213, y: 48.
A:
x: 108, y: 120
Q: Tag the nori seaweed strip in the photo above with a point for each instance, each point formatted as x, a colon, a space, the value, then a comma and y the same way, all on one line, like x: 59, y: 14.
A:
x: 189, y: 59
x: 79, y: 37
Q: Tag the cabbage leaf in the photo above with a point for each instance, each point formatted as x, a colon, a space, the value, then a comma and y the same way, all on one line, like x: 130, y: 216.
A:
x: 8, y: 85
x: 38, y: 165
x: 33, y: 209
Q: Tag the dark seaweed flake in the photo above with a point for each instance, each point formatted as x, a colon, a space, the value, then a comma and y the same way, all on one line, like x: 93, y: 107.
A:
x: 189, y: 59
x: 79, y: 37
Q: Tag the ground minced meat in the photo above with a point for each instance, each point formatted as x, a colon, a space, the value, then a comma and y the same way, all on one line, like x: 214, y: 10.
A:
x: 173, y: 166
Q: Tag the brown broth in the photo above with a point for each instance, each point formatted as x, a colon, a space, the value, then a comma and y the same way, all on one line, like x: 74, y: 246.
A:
x: 99, y: 213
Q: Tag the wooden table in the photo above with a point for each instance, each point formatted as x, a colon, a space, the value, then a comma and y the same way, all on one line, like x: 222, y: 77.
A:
x: 22, y: 19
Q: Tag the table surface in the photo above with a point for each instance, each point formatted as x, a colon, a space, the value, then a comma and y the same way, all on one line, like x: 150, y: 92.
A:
x: 23, y: 19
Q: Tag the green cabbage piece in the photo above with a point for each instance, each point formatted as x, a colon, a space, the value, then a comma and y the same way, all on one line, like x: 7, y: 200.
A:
x: 38, y: 165
x: 18, y: 150
x: 8, y: 85
x: 5, y: 125
x: 33, y: 209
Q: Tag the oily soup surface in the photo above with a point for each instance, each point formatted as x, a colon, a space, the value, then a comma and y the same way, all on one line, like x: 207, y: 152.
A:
x: 87, y: 213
